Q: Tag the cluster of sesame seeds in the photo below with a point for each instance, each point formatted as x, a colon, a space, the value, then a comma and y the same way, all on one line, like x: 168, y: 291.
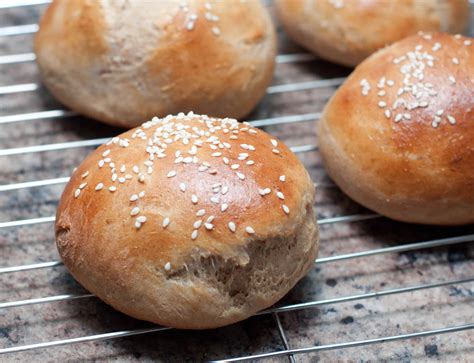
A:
x: 215, y: 137
x: 414, y: 92
x: 192, y: 17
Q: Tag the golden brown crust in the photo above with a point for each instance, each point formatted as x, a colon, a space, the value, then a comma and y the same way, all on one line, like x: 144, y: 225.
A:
x: 214, y: 58
x: 238, y: 269
x: 398, y: 136
x: 348, y: 31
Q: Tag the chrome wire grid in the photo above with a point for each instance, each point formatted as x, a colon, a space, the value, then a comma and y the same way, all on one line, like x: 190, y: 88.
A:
x: 459, y: 284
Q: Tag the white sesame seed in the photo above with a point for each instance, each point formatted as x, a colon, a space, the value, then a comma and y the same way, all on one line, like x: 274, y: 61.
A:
x: 134, y: 198
x: 99, y: 186
x: 101, y: 163
x: 216, y: 154
x: 135, y: 211
x: 235, y: 166
x: 250, y: 162
x: 249, y: 230
x: 141, y: 194
x: 224, y: 207
x: 200, y: 213
x: 138, y: 225
x: 197, y: 224
x: 194, y: 235
x: 182, y: 187
x: 216, y: 30
x: 274, y: 142
x: 467, y: 42
x: 241, y: 176
x: 171, y: 174
x: 282, y: 178
x: 105, y: 153
x: 455, y: 60
x: 382, y: 104
x: 387, y: 113
x: 121, y: 180
x: 451, y: 120
x: 275, y: 151
x: 232, y: 226
x: 166, y: 222
x: 439, y: 112
x: 262, y: 192
x: 77, y: 193
x: 224, y: 190
x: 167, y: 266
x: 452, y: 79
x: 286, y: 209
x: 85, y: 175
x: 208, y: 226
x: 82, y: 186
x: 141, y: 219
x: 112, y: 189
x: 280, y: 195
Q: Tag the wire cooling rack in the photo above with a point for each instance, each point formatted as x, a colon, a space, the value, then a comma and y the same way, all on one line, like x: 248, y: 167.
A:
x: 415, y: 297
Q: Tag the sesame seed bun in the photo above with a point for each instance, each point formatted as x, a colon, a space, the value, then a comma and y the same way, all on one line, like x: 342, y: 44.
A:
x: 189, y: 222
x: 398, y: 136
x: 123, y: 62
x: 348, y: 31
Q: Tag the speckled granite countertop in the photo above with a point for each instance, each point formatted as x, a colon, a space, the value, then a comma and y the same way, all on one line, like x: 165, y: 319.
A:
x: 326, y: 324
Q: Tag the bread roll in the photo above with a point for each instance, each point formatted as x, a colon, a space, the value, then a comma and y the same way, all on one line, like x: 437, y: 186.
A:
x: 189, y: 221
x: 123, y: 62
x: 348, y: 31
x: 398, y: 136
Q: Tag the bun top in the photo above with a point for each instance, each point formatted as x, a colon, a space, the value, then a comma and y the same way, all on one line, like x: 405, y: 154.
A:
x: 407, y: 115
x: 182, y: 184
x: 124, y: 62
x: 348, y: 31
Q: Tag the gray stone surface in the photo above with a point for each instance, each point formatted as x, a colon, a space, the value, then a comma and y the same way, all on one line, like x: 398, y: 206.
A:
x: 334, y: 323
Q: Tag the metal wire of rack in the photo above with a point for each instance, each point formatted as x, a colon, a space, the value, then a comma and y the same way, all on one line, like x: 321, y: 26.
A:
x: 49, y: 115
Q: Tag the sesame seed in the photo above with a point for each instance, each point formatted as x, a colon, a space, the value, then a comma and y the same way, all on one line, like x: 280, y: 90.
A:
x: 451, y: 120
x: 122, y: 180
x: 250, y: 162
x: 200, y: 213
x: 138, y: 225
x: 77, y: 193
x: 208, y: 226
x: 225, y: 189
x: 455, y: 60
x: 105, y: 153
x: 275, y: 151
x: 387, y: 113
x: 112, y: 189
x: 235, y: 166
x: 232, y: 226
x: 274, y: 142
x: 467, y: 42
x: 141, y: 194
x: 216, y: 30
x: 398, y: 117
x: 85, y: 175
x: 452, y: 79
x: 286, y: 209
x: 262, y: 192
x: 99, y: 186
x: 171, y: 174
x: 182, y: 187
x: 134, y: 198
x: 141, y: 219
x: 382, y: 104
x: 82, y: 186
x: 194, y: 199
x: 166, y: 222
x: 241, y: 176
x: 101, y: 163
x: 135, y: 211
x: 249, y: 230
x: 197, y: 224
x: 224, y: 207
x: 439, y: 112
x: 167, y: 266
x: 280, y: 195
x: 282, y: 178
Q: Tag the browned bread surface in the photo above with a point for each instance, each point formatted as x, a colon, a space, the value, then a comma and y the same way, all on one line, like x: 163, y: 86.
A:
x: 398, y: 136
x: 190, y: 222
x: 123, y: 62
